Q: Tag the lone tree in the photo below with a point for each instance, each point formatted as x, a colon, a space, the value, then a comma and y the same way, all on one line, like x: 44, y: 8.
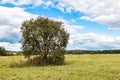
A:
x: 44, y: 38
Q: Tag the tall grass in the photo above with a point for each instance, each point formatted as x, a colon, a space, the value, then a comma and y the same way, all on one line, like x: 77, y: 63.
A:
x: 78, y: 67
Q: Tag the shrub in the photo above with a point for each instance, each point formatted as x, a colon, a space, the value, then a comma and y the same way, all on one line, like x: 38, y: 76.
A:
x: 3, y: 51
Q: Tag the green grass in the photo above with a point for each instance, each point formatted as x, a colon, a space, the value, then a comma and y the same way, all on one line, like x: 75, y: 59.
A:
x: 78, y: 67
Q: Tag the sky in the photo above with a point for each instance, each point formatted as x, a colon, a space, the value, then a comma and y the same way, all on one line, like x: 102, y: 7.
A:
x: 92, y: 24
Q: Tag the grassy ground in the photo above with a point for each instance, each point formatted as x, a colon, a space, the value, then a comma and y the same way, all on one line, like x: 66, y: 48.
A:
x: 78, y: 67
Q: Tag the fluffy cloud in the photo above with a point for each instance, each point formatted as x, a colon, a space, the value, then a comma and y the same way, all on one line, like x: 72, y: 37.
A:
x: 10, y: 22
x: 93, y: 41
x: 105, y: 12
x: 9, y: 46
x: 23, y: 2
x: 33, y: 3
x: 72, y: 29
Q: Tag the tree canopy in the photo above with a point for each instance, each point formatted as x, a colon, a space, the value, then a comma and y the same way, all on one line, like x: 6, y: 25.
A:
x: 45, y: 38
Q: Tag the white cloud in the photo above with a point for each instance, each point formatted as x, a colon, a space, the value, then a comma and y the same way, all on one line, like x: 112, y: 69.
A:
x: 93, y: 41
x: 23, y: 2
x: 86, y: 18
x: 10, y: 22
x: 8, y: 1
x: 11, y: 47
x: 72, y: 29
x: 4, y: 30
x: 49, y: 3
x: 34, y: 3
x: 106, y: 12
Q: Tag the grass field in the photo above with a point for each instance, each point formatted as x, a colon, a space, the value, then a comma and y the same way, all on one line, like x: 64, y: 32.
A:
x: 78, y: 67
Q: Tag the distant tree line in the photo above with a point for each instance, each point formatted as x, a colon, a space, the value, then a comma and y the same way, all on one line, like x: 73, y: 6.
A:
x: 4, y: 52
x: 14, y: 53
x: 93, y: 51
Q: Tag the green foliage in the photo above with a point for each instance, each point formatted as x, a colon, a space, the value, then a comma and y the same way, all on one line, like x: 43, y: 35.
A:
x: 2, y: 51
x: 46, y: 38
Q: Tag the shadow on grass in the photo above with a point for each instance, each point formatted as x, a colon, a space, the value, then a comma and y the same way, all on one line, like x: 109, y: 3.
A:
x: 38, y: 61
x: 23, y: 64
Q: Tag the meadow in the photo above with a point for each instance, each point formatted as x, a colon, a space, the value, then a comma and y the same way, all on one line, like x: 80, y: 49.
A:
x: 78, y: 67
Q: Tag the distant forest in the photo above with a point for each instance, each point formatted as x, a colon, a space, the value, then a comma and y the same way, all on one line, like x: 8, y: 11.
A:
x: 15, y: 53
x: 93, y: 51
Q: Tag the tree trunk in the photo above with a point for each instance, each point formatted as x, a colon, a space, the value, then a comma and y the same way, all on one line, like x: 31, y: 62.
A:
x: 44, y: 59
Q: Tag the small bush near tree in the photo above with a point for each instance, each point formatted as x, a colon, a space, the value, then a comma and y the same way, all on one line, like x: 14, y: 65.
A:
x: 45, y: 39
x: 3, y: 51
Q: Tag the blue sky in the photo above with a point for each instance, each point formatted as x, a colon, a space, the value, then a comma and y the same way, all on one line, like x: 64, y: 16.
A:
x: 92, y: 24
